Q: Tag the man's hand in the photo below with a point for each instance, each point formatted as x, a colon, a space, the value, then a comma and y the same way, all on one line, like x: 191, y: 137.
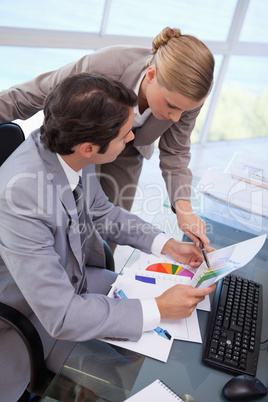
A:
x: 180, y: 301
x: 190, y: 223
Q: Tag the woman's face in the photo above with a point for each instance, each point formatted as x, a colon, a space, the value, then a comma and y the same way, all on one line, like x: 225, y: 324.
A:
x: 164, y: 103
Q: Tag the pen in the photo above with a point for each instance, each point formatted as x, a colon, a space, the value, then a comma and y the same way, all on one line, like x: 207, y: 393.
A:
x: 204, y: 254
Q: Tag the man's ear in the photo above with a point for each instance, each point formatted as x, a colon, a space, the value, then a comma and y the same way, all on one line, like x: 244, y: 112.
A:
x: 87, y: 149
x: 150, y: 74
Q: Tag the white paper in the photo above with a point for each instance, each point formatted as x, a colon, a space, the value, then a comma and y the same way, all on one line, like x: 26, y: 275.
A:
x: 165, y: 281
x: 186, y: 329
x: 226, y: 260
x: 146, y: 260
x: 155, y: 392
x: 150, y: 343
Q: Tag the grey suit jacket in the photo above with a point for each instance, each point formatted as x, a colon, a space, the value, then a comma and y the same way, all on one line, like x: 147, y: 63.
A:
x: 41, y: 269
x: 123, y: 63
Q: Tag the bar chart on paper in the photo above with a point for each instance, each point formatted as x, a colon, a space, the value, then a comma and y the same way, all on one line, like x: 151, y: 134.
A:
x: 220, y: 267
x: 227, y: 260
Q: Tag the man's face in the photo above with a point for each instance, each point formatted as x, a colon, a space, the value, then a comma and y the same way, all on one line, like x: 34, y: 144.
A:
x: 117, y: 145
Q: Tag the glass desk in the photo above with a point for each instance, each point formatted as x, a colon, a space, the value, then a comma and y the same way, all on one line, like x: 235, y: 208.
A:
x: 184, y: 372
x: 105, y: 373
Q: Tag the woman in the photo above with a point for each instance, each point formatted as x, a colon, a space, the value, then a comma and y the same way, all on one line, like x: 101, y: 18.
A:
x: 172, y: 81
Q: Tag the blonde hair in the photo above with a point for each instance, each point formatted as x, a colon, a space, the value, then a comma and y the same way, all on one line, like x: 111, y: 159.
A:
x: 184, y: 64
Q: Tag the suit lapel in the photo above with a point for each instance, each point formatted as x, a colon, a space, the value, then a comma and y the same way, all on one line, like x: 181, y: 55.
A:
x: 150, y: 131
x: 64, y: 193
x: 94, y: 247
x: 68, y: 203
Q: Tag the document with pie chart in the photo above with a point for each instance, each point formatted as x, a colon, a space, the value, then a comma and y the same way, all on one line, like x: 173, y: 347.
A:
x: 160, y: 270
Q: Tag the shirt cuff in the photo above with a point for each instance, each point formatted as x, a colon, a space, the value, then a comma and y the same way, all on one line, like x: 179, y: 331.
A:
x: 151, y: 314
x: 150, y: 311
x: 158, y: 243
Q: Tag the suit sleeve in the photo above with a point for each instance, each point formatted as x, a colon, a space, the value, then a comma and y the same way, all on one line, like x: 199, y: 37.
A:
x: 174, y: 146
x: 120, y: 226
x: 24, y: 100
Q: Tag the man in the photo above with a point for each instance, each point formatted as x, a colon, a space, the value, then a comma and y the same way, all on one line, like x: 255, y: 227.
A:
x: 47, y: 273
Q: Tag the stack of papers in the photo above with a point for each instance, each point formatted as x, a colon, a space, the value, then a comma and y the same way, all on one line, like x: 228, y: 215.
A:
x: 151, y: 344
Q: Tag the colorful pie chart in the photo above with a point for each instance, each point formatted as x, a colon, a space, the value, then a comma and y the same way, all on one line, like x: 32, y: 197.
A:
x: 172, y: 269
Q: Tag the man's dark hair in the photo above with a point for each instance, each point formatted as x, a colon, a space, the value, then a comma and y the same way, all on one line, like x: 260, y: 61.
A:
x: 85, y: 108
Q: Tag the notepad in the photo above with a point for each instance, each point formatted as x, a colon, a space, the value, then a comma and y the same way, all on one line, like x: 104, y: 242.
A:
x: 156, y: 392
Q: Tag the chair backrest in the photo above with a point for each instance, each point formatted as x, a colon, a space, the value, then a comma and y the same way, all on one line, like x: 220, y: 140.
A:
x: 11, y: 136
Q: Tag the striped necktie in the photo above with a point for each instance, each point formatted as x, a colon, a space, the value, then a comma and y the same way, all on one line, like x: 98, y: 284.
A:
x: 79, y: 202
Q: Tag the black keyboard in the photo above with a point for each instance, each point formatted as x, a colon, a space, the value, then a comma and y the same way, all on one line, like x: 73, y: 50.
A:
x: 233, y: 334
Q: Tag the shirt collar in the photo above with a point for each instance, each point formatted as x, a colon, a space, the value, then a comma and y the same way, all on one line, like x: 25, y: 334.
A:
x: 72, y: 175
x: 136, y: 90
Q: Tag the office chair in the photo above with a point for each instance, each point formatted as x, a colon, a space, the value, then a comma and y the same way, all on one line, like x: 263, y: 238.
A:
x: 11, y: 136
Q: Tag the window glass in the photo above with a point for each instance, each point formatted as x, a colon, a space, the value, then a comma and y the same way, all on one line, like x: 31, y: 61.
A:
x: 146, y: 18
x: 241, y: 110
x: 81, y: 15
x: 201, y: 117
x: 19, y: 64
x: 255, y: 27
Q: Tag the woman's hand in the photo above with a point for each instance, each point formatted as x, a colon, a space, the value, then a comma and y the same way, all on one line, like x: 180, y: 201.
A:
x: 184, y: 252
x: 191, y: 224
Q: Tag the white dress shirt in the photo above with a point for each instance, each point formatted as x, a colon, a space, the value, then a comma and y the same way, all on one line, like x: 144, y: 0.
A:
x: 140, y: 119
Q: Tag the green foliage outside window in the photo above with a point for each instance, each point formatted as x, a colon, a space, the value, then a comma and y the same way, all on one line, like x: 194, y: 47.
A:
x: 239, y: 115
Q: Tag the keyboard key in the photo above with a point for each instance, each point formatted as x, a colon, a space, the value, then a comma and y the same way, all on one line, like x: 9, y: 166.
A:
x: 216, y: 358
x: 230, y: 362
